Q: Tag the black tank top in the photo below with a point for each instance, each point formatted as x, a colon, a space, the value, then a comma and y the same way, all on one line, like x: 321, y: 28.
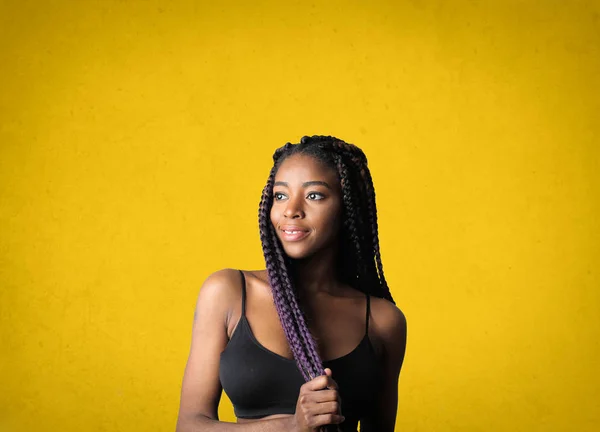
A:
x: 260, y: 382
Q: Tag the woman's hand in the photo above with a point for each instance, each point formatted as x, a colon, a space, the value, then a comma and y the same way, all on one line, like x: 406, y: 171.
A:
x: 318, y: 404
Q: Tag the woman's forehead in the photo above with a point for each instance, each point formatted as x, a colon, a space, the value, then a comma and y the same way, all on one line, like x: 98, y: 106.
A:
x: 305, y: 168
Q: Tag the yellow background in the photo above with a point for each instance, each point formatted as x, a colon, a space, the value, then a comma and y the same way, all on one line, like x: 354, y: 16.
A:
x: 136, y: 137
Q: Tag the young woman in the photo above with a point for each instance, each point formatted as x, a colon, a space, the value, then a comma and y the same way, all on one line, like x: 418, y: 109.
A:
x: 314, y: 341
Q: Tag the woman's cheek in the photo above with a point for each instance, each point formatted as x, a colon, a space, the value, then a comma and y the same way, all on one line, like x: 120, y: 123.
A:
x: 274, y: 216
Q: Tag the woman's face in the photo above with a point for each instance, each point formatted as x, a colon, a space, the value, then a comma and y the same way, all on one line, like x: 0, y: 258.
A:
x: 307, y: 205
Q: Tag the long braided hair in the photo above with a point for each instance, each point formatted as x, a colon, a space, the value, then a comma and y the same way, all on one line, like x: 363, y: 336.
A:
x: 359, y: 262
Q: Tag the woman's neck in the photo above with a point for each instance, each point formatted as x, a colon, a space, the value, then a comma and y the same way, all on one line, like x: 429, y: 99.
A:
x: 317, y: 274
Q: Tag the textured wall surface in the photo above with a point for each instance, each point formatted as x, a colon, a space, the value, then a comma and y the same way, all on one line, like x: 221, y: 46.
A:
x: 136, y: 137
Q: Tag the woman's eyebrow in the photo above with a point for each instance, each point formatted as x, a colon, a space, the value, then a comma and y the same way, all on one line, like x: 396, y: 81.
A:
x: 305, y: 184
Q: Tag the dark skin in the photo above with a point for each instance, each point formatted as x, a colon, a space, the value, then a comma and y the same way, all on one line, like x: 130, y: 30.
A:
x: 307, y: 194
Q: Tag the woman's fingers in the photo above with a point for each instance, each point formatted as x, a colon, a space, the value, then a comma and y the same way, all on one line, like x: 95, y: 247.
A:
x: 321, y: 382
x: 327, y: 407
x: 325, y: 419
x: 323, y: 396
x: 319, y: 403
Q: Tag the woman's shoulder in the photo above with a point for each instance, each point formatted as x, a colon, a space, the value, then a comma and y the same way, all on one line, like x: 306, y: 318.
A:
x: 222, y: 279
x: 227, y: 283
x: 221, y: 287
x: 388, y: 320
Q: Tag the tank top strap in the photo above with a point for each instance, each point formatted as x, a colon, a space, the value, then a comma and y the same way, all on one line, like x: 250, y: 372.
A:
x: 368, y: 309
x: 243, y: 293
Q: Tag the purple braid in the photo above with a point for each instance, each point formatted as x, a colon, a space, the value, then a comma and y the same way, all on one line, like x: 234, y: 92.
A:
x: 289, y: 322
x: 307, y: 339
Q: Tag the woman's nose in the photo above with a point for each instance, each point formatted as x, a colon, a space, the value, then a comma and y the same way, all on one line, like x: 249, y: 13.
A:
x: 293, y: 209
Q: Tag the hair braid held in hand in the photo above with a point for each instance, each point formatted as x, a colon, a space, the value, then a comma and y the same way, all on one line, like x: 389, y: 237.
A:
x: 360, y: 256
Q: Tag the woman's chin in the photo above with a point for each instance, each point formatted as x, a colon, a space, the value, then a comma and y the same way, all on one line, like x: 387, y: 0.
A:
x: 297, y: 253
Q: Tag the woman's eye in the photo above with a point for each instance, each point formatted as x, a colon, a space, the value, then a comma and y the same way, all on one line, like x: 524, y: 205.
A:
x: 313, y: 196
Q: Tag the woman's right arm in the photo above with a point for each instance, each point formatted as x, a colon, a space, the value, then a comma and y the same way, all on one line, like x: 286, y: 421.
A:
x: 201, y: 388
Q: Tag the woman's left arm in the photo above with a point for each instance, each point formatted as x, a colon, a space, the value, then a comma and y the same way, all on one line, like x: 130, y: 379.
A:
x: 391, y: 329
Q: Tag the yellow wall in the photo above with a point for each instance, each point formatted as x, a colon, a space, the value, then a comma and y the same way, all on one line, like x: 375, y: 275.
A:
x: 135, y: 139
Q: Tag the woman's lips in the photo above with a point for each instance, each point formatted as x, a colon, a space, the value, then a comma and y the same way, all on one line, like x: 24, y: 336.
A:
x: 297, y: 235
